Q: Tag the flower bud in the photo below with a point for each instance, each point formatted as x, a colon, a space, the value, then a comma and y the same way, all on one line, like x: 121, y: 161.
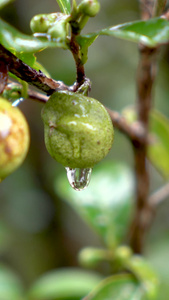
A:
x: 89, y: 7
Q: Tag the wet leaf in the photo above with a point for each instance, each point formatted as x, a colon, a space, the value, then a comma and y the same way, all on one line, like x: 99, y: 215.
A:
x: 64, y: 284
x: 17, y: 42
x: 106, y: 203
x: 151, y: 33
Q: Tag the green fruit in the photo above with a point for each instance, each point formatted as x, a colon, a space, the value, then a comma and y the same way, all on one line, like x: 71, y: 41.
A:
x: 40, y: 23
x: 14, y: 138
x: 89, y: 8
x: 58, y: 30
x: 44, y: 22
x: 78, y: 129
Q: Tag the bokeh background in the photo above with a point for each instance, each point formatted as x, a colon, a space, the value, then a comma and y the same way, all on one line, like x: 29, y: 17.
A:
x: 38, y: 230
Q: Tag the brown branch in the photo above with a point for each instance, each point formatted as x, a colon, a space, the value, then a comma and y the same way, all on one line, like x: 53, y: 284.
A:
x: 143, y: 211
x: 134, y: 132
x: 75, y: 49
x: 30, y: 75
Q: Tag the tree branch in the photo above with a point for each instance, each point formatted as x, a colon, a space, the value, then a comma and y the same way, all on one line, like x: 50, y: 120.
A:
x: 143, y: 211
x: 30, y: 75
x: 75, y: 49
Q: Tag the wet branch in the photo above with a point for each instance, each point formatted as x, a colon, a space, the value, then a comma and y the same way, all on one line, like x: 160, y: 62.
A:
x: 28, y: 74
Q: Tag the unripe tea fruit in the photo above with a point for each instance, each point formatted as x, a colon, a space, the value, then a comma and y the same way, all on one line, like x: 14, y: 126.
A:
x: 14, y: 138
x: 78, y: 129
x: 89, y: 8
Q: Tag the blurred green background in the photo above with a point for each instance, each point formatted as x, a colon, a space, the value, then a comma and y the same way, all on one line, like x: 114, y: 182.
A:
x: 38, y: 230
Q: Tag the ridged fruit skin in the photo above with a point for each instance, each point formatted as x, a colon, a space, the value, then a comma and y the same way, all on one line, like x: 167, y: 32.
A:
x: 14, y: 138
x: 78, y: 129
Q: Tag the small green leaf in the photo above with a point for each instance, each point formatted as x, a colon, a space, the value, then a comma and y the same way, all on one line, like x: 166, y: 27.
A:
x: 64, y: 284
x: 17, y: 42
x: 4, y: 2
x: 118, y: 287
x: 158, y: 150
x: 10, y: 285
x: 151, y: 33
x: 106, y: 203
x: 65, y: 6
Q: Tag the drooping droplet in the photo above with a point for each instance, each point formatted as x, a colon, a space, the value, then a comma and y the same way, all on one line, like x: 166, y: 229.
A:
x: 78, y: 178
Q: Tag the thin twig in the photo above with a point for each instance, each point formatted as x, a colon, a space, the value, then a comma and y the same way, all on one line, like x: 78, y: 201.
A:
x: 134, y: 132
x: 159, y: 195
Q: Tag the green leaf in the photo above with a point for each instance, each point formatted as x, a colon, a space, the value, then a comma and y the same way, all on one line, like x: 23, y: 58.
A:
x: 4, y: 2
x: 144, y: 273
x: 151, y: 33
x: 118, y: 287
x: 65, y: 6
x: 158, y: 150
x: 106, y: 203
x: 64, y: 284
x: 17, y: 42
x: 10, y: 285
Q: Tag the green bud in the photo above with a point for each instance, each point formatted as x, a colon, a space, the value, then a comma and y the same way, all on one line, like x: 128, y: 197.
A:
x: 78, y: 129
x: 89, y: 8
x: 58, y: 30
x: 43, y: 22
x: 91, y: 257
x: 122, y: 255
x: 14, y: 138
x: 40, y: 23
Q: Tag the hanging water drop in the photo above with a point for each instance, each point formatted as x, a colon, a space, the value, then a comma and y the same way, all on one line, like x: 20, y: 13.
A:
x: 78, y: 178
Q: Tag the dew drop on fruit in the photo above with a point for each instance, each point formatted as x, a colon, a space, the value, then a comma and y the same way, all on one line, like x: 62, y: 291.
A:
x: 78, y: 178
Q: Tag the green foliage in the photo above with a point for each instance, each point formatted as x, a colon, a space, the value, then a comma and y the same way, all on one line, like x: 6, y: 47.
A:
x: 65, y: 284
x: 123, y: 287
x: 65, y: 6
x: 107, y: 204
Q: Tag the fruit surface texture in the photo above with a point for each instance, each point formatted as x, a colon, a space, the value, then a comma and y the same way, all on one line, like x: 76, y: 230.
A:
x: 14, y: 138
x: 78, y: 129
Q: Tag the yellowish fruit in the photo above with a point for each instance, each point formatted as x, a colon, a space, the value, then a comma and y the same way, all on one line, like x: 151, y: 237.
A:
x: 14, y: 138
x: 78, y: 129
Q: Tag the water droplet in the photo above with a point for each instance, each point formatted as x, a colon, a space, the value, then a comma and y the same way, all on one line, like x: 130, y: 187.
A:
x: 17, y: 101
x: 78, y: 178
